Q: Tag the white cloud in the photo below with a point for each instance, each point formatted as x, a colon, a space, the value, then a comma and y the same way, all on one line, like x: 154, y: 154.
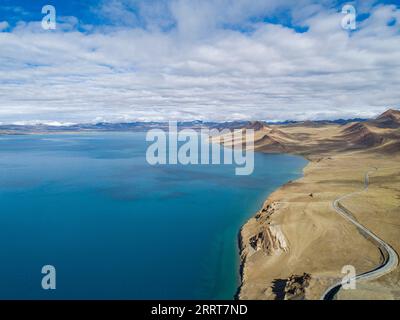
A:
x: 4, y: 25
x: 200, y: 70
x: 43, y: 122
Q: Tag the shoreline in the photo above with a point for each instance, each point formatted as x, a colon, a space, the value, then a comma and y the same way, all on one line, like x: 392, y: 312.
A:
x: 240, y: 236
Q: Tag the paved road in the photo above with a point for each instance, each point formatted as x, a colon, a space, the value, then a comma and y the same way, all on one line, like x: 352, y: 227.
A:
x: 390, y: 256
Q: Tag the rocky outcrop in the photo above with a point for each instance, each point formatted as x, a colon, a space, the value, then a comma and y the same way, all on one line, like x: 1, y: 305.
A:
x: 266, y: 236
x: 260, y: 236
x: 295, y: 288
x: 271, y: 241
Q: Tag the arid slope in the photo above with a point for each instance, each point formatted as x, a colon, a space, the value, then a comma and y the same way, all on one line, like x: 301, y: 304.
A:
x: 296, y: 245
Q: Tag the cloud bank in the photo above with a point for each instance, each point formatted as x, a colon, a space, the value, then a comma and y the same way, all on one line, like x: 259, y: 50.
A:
x: 205, y: 60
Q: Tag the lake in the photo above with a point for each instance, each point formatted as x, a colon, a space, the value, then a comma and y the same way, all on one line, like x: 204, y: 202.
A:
x: 115, y: 227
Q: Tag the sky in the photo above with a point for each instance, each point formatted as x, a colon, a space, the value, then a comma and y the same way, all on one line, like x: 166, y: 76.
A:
x: 221, y: 60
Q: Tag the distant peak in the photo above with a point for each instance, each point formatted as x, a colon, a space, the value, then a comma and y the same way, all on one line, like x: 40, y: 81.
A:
x: 390, y: 113
x: 255, y: 125
x: 388, y: 119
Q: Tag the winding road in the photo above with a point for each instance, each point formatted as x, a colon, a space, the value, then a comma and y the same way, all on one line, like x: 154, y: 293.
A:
x: 390, y: 256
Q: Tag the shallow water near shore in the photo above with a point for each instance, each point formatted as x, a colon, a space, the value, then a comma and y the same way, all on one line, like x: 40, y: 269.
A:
x: 115, y: 227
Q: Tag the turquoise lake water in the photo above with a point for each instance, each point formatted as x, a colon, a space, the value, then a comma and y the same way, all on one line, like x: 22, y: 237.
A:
x: 115, y: 227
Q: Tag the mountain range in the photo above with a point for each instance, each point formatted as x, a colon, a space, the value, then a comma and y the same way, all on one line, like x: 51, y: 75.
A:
x: 139, y: 126
x: 310, y: 138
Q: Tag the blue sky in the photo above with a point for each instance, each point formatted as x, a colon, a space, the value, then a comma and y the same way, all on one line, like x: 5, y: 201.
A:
x: 124, y: 60
x: 16, y: 10
x: 88, y: 11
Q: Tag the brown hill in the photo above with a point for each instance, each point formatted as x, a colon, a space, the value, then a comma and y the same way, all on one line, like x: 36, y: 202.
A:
x: 390, y: 147
x: 361, y: 134
x: 388, y: 119
x: 314, y: 139
x: 270, y: 142
x: 255, y: 125
x: 272, y: 138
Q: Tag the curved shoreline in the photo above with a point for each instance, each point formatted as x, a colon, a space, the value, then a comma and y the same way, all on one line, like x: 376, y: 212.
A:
x: 240, y: 233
